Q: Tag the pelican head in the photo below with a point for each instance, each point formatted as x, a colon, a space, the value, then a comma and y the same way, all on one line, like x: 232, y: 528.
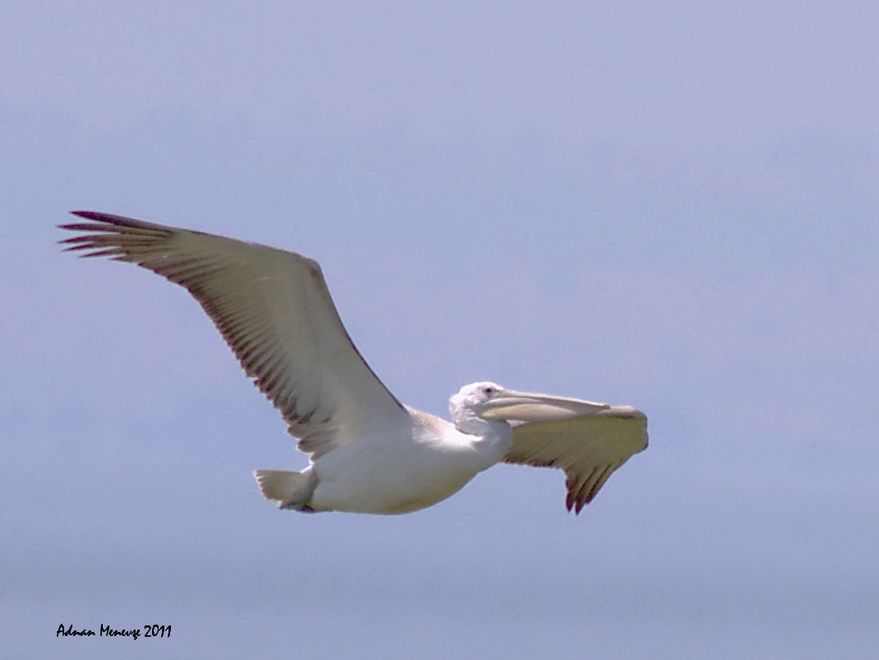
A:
x: 491, y: 402
x: 469, y: 403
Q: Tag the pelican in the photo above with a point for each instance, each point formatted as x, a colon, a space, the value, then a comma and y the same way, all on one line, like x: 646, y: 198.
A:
x: 368, y: 452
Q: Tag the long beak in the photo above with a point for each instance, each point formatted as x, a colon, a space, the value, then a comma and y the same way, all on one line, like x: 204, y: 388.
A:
x: 510, y: 405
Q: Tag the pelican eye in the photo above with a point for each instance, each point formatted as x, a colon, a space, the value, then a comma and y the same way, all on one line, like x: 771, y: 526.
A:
x: 488, y: 390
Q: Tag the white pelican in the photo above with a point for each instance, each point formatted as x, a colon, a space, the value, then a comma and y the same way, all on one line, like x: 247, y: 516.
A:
x: 368, y: 452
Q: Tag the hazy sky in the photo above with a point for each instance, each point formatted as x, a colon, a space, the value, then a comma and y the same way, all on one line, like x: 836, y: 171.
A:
x: 671, y: 205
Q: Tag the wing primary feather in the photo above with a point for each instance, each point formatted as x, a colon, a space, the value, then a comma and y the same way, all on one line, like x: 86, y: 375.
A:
x: 610, y: 469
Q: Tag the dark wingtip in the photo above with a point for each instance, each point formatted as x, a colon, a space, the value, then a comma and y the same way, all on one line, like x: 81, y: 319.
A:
x: 82, y: 214
x: 91, y: 215
x: 88, y: 215
x: 120, y: 221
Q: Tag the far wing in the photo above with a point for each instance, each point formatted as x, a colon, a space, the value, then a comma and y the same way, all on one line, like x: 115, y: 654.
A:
x: 588, y: 448
x: 275, y: 313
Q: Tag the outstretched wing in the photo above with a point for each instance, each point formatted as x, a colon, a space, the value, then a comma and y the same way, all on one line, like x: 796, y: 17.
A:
x: 588, y: 448
x: 274, y: 310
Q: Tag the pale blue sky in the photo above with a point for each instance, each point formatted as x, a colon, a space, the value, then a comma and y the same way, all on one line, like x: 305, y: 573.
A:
x: 671, y: 205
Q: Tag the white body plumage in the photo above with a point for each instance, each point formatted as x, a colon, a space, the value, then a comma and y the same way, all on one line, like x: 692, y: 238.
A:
x: 408, y: 470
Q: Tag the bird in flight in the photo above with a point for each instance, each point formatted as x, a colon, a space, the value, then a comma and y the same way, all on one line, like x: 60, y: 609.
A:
x: 368, y: 452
